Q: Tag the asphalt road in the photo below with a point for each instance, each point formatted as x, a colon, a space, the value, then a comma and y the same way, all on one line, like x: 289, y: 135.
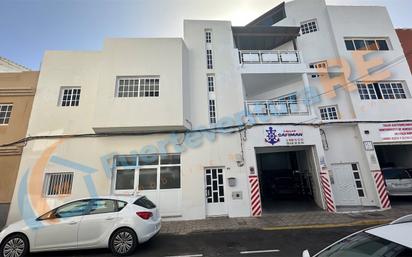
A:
x: 285, y: 243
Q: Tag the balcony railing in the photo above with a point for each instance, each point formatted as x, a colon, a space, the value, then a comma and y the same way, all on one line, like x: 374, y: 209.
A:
x: 269, y: 57
x: 277, y: 108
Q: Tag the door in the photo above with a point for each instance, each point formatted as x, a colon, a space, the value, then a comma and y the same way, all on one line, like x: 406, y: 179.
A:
x: 96, y: 226
x: 344, y: 186
x: 60, y: 227
x: 215, y: 192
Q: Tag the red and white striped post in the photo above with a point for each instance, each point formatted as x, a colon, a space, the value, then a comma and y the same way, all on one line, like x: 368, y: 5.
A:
x: 255, y: 203
x: 327, y: 192
x: 382, y: 190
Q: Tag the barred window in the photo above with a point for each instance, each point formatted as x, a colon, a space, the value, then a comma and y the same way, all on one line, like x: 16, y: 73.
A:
x: 309, y: 26
x: 138, y: 86
x: 381, y: 90
x: 211, y: 83
x: 209, y: 58
x: 208, y: 34
x: 5, y: 113
x: 58, y: 184
x: 212, y: 111
x: 329, y: 113
x: 70, y: 96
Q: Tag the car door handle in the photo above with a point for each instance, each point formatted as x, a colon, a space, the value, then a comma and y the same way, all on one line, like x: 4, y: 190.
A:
x: 110, y: 218
x: 72, y: 222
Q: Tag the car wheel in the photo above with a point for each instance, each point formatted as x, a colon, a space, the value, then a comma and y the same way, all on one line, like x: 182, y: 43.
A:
x: 123, y: 242
x: 14, y: 246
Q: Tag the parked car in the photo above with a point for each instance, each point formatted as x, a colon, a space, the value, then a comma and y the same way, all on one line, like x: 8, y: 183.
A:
x: 398, y: 181
x: 118, y: 223
x: 391, y: 240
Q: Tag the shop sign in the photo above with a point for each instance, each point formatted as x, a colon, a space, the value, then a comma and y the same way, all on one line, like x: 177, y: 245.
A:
x: 275, y: 136
x: 396, y: 132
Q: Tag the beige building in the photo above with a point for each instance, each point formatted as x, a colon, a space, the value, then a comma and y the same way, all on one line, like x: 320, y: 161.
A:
x: 17, y: 89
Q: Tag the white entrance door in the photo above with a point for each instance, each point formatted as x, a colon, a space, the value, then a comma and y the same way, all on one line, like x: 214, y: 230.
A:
x: 344, y: 185
x: 215, y: 192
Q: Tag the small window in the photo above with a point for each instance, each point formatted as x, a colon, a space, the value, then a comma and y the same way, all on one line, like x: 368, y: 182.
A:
x: 58, y: 184
x: 148, y: 159
x: 138, y: 86
x: 148, y: 179
x: 383, y: 45
x: 100, y: 206
x: 70, y: 96
x: 145, y: 203
x: 349, y: 45
x: 211, y: 83
x: 170, y: 159
x: 212, y: 111
x: 124, y: 179
x: 170, y: 177
x: 126, y: 160
x: 329, y: 113
x: 209, y: 59
x: 360, y: 44
x: 121, y: 205
x: 309, y: 26
x: 208, y: 34
x: 5, y: 113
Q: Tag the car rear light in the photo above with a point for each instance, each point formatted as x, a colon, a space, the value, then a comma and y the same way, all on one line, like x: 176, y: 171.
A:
x: 144, y: 214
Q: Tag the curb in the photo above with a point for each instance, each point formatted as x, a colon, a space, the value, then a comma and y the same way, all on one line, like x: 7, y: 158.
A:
x: 332, y: 225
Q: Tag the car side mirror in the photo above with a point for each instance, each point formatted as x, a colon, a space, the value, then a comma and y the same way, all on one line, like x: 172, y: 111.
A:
x: 306, y: 253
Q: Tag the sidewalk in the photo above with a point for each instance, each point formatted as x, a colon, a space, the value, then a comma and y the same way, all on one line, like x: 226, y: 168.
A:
x: 282, y: 221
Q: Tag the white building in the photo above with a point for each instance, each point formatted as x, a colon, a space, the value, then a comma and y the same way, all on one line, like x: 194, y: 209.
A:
x: 196, y: 124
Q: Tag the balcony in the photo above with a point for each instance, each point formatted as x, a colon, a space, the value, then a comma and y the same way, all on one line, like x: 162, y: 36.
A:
x: 269, y: 57
x: 271, y: 62
x: 276, y: 108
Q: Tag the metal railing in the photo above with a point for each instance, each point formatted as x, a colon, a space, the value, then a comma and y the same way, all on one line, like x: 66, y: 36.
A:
x: 269, y: 56
x: 277, y: 107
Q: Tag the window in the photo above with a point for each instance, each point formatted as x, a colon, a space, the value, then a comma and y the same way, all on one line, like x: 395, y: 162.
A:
x: 74, y: 209
x: 58, y: 184
x: 211, y: 83
x: 209, y: 59
x: 370, y: 44
x: 329, y: 113
x: 318, y: 65
x: 358, y: 180
x: 145, y: 203
x: 70, y: 96
x: 147, y: 171
x: 138, y: 86
x: 212, y: 98
x: 212, y: 111
x: 208, y: 34
x: 5, y: 113
x: 125, y: 179
x: 309, y: 26
x: 100, y: 206
x: 148, y: 179
x: 381, y: 90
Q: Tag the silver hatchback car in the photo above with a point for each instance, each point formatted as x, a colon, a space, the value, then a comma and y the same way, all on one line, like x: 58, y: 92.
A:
x: 398, y: 181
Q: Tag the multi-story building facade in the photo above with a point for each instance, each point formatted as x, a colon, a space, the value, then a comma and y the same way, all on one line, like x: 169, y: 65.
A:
x: 17, y: 89
x: 405, y: 36
x: 280, y: 114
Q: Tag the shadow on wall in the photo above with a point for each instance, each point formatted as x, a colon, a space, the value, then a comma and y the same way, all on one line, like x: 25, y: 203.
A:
x: 4, y: 210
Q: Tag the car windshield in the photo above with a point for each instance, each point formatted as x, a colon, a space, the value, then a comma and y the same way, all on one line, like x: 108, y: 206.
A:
x: 363, y: 245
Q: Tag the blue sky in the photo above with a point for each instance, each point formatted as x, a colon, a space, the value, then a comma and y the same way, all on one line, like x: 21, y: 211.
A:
x: 30, y: 27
